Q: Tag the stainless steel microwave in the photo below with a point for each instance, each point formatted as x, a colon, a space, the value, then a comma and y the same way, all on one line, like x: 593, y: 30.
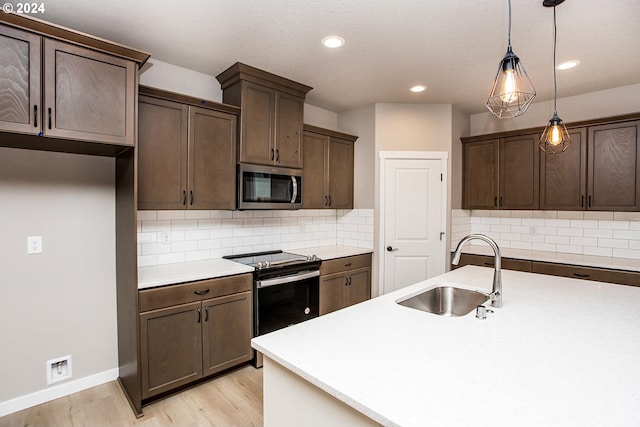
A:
x: 269, y: 187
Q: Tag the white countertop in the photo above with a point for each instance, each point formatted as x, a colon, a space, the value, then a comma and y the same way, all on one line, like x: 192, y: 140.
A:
x: 559, y: 257
x: 168, y: 274
x: 332, y: 252
x: 560, y: 352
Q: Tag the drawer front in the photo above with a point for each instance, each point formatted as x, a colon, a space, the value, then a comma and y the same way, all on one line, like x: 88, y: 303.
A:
x: 587, y: 273
x: 487, y: 261
x: 344, y: 264
x: 151, y: 299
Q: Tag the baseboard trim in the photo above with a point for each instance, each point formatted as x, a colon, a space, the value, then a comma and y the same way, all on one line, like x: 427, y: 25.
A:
x: 55, y: 392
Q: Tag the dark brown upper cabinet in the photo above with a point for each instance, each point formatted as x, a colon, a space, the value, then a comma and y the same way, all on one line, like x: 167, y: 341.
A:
x: 186, y: 153
x: 328, y: 169
x: 519, y: 172
x: 600, y: 170
x: 481, y: 163
x: 65, y: 88
x: 20, y: 81
x: 501, y: 173
x: 613, y: 180
x: 563, y: 176
x: 272, y: 115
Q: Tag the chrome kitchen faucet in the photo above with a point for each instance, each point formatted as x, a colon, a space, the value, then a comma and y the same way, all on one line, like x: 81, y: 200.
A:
x: 496, y: 292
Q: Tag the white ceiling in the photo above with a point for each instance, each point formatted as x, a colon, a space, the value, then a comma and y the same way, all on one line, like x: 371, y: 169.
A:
x: 452, y: 46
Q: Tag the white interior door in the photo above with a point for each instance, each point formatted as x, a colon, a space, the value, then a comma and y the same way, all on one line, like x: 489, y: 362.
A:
x: 414, y: 221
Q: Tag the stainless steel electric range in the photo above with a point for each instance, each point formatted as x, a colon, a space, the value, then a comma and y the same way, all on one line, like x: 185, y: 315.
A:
x: 285, y: 289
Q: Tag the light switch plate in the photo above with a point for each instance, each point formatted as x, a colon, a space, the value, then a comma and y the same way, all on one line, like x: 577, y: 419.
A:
x: 34, y: 245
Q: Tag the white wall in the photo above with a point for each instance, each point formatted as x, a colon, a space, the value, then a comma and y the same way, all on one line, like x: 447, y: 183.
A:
x: 361, y: 122
x: 62, y: 301
x: 163, y: 75
x: 320, y: 117
x: 593, y: 105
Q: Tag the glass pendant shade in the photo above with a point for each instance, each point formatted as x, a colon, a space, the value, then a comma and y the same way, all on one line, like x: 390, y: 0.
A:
x: 512, y: 90
x: 555, y: 137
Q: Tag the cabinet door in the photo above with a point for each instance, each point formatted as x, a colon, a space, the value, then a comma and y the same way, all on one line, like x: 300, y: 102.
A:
x: 332, y: 293
x: 212, y: 165
x: 256, y: 139
x: 340, y: 174
x: 519, y: 172
x: 359, y: 288
x: 563, y: 175
x: 88, y: 95
x: 481, y: 165
x: 614, y: 167
x: 226, y: 332
x: 171, y: 347
x: 314, y: 190
x: 20, y: 109
x: 289, y: 110
x: 162, y: 154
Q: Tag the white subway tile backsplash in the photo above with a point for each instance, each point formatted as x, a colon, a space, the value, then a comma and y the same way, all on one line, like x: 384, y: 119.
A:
x: 570, y: 231
x: 570, y: 215
x: 598, y: 215
x: 604, y: 233
x: 611, y: 243
x: 584, y: 241
x: 614, y: 225
x: 197, y: 235
x: 589, y: 250
x: 577, y: 223
x: 627, y: 253
x: 613, y: 234
x: 170, y: 215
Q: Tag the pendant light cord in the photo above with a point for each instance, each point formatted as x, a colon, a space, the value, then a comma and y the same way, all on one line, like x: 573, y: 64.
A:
x: 555, y: 85
x: 509, y: 32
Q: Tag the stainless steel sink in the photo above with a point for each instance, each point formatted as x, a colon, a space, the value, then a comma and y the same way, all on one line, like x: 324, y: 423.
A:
x: 446, y: 301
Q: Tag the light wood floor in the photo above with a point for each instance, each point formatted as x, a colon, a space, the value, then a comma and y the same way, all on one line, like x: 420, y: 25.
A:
x: 234, y: 399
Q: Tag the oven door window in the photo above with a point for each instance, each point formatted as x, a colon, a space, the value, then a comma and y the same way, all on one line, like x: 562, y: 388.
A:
x: 284, y: 305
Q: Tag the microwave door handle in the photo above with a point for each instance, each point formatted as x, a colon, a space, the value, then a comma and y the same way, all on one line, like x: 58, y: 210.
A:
x: 294, y: 181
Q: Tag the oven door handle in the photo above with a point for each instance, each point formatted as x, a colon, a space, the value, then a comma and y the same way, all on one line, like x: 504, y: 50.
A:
x: 287, y: 279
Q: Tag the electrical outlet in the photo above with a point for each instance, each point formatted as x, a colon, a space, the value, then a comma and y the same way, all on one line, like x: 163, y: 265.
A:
x: 59, y: 369
x: 166, y: 237
x: 34, y: 245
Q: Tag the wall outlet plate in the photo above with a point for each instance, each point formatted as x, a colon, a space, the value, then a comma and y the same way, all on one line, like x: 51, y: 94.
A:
x: 34, y: 245
x: 59, y: 369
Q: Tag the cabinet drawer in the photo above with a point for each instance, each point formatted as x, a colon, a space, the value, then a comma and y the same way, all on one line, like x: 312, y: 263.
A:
x: 487, y: 261
x: 151, y: 299
x: 343, y: 264
x: 587, y: 273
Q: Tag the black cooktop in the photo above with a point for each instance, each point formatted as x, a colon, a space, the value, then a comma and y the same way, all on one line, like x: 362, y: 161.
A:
x: 272, y: 259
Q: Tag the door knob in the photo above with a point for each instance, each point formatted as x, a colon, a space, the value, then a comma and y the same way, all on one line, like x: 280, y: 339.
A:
x: 389, y: 249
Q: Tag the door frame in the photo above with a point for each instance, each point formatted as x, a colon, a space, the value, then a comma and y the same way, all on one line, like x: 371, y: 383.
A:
x: 443, y: 156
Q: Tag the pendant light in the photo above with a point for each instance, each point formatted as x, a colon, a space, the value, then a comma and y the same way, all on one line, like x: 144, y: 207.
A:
x: 555, y: 137
x: 512, y: 90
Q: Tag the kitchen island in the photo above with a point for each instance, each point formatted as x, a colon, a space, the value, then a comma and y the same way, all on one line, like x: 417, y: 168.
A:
x: 560, y: 352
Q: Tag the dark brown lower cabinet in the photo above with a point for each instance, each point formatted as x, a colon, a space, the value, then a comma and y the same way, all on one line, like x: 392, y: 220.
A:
x: 182, y: 342
x: 608, y: 275
x: 487, y: 261
x: 587, y: 273
x: 344, y: 282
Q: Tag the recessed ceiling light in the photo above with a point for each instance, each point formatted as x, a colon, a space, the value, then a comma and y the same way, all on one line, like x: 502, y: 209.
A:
x: 418, y: 88
x: 333, y: 41
x: 568, y: 64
